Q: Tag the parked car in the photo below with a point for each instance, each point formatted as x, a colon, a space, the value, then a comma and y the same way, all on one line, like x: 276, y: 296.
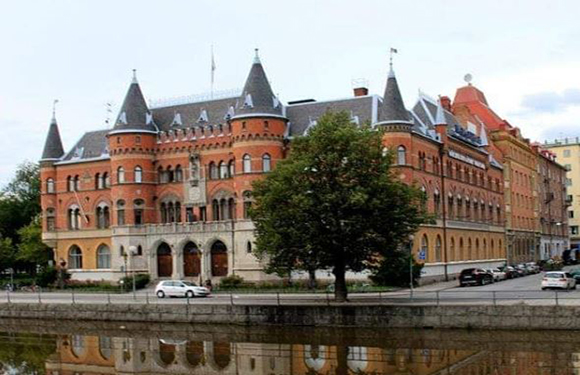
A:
x: 511, y: 272
x: 179, y: 288
x: 498, y: 275
x: 532, y: 268
x: 521, y: 269
x: 474, y: 276
x: 575, y: 273
x: 558, y: 279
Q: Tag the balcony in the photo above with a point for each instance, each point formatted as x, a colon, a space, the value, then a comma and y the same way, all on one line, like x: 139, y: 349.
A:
x: 174, y: 228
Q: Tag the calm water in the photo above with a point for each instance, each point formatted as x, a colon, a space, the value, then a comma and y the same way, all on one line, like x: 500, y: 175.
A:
x: 81, y: 348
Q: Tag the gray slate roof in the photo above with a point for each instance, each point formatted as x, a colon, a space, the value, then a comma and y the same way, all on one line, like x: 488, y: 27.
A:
x: 190, y: 113
x: 134, y: 114
x: 393, y: 109
x: 258, y: 89
x: 53, y: 145
x: 302, y: 116
x: 91, y: 145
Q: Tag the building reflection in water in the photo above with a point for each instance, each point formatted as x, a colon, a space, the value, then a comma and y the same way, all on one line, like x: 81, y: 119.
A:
x: 77, y: 355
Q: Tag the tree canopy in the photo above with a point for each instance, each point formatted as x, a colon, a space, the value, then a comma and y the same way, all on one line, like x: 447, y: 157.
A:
x: 334, y: 203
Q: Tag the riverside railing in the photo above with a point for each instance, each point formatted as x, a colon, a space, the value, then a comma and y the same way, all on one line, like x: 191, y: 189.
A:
x: 421, y: 298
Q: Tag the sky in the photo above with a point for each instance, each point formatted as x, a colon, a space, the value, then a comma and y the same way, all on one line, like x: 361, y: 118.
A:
x: 524, y: 55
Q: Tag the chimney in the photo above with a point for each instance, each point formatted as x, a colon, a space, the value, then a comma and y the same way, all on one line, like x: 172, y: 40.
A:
x: 360, y: 87
x: 445, y: 103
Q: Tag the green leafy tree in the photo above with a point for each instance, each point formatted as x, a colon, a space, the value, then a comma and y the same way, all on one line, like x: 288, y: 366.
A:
x: 7, y: 253
x: 20, y: 200
x: 394, y: 269
x: 333, y: 203
x: 31, y: 249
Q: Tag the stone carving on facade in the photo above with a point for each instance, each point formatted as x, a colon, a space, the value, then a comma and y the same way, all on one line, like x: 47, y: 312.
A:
x: 195, y: 184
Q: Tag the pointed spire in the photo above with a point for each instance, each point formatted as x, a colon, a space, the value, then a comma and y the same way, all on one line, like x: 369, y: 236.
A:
x: 134, y: 113
x: 440, y: 115
x: 257, y: 96
x: 53, y: 149
x: 393, y: 110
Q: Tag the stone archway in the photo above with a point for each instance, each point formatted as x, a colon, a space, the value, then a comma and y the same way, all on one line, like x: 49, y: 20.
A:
x: 191, y: 260
x: 164, y: 261
x: 219, y: 259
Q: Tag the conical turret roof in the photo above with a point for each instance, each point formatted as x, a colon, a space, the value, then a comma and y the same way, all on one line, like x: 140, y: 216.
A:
x: 393, y: 110
x: 134, y: 113
x: 257, y: 95
x: 53, y: 145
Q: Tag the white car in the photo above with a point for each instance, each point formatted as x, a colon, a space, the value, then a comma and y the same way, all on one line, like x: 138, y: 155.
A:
x: 179, y: 288
x: 497, y: 274
x: 558, y: 279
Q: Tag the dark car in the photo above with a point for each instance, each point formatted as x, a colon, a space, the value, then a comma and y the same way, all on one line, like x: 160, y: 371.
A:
x: 474, y: 276
x: 510, y: 272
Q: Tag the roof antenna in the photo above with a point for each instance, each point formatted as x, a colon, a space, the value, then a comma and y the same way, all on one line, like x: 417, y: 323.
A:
x: 54, y: 102
x: 109, y: 111
x: 392, y: 52
x: 134, y: 76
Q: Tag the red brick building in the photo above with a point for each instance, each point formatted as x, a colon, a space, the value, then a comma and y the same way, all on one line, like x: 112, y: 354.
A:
x: 166, y: 190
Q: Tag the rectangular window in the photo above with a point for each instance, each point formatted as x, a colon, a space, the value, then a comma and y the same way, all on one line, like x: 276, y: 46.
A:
x: 568, y: 167
x: 120, y: 217
x: 571, y: 214
x: 202, y: 213
x: 567, y: 153
x: 569, y: 198
x: 573, y: 229
x: 568, y: 182
x: 189, y: 215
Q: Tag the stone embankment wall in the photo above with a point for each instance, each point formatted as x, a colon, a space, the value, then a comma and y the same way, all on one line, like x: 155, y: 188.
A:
x: 480, y: 317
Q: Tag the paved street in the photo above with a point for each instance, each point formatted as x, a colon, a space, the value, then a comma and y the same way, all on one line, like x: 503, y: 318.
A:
x: 521, y: 290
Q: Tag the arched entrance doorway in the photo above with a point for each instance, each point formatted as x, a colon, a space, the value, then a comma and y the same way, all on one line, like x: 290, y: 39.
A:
x: 164, y: 261
x: 191, y: 260
x: 219, y: 259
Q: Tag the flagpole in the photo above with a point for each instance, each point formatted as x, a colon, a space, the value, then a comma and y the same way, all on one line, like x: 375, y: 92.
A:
x: 212, y: 72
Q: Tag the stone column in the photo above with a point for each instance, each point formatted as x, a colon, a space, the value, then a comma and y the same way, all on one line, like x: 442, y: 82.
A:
x: 177, y: 259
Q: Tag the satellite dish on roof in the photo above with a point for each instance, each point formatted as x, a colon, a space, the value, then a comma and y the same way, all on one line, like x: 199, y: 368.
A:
x: 467, y: 78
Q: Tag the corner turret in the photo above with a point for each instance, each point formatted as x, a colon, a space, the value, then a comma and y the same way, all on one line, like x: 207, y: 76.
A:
x: 53, y: 149
x: 134, y: 116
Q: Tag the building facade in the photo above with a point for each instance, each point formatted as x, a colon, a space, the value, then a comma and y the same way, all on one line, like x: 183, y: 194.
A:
x: 167, y: 189
x: 567, y: 151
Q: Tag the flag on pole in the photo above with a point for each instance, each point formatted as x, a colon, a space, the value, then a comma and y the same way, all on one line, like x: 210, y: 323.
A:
x: 212, y: 70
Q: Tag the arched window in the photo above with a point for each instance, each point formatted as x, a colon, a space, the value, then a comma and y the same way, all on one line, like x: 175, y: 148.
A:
x: 477, y: 249
x: 247, y: 196
x: 425, y: 245
x: 485, y: 254
x: 213, y: 171
x: 231, y: 209
x: 103, y: 257
x: 77, y: 182
x: 98, y: 181
x: 178, y: 173
x: 120, y: 212
x: 249, y: 247
x: 469, y: 249
x: 461, y: 250
x: 139, y: 205
x: 247, y: 161
x: 215, y: 210
x: 106, y: 180
x: 50, y: 220
x: 452, y: 249
x: 74, y: 217
x: 120, y: 175
x: 160, y: 175
x: 401, y: 155
x: 69, y: 184
x: 50, y: 186
x: 266, y: 163
x: 138, y: 174
x: 75, y: 258
x: 177, y: 212
x: 223, y: 168
x: 170, y: 174
x: 438, y: 249
x: 437, y: 202
x: 450, y: 211
x: 232, y: 168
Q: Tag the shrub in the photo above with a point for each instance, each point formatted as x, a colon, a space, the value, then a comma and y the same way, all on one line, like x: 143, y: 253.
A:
x: 394, y: 270
x: 91, y: 285
x: 47, y: 277
x: 231, y: 282
x: 141, y: 281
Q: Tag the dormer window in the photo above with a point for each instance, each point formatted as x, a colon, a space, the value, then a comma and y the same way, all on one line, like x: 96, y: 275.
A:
x: 243, y: 125
x: 177, y: 120
x: 275, y: 102
x: 266, y: 125
x: 248, y: 101
x: 230, y: 113
x: 203, y: 116
x: 123, y: 118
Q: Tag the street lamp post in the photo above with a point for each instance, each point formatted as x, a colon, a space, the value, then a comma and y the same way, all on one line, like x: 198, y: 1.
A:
x: 132, y: 252
x: 411, y: 238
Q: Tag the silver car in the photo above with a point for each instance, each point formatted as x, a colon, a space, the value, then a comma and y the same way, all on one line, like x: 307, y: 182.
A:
x: 179, y: 288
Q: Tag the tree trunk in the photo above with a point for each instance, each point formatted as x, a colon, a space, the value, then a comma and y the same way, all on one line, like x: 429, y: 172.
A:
x: 312, y: 279
x: 340, y: 292
x: 341, y: 360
